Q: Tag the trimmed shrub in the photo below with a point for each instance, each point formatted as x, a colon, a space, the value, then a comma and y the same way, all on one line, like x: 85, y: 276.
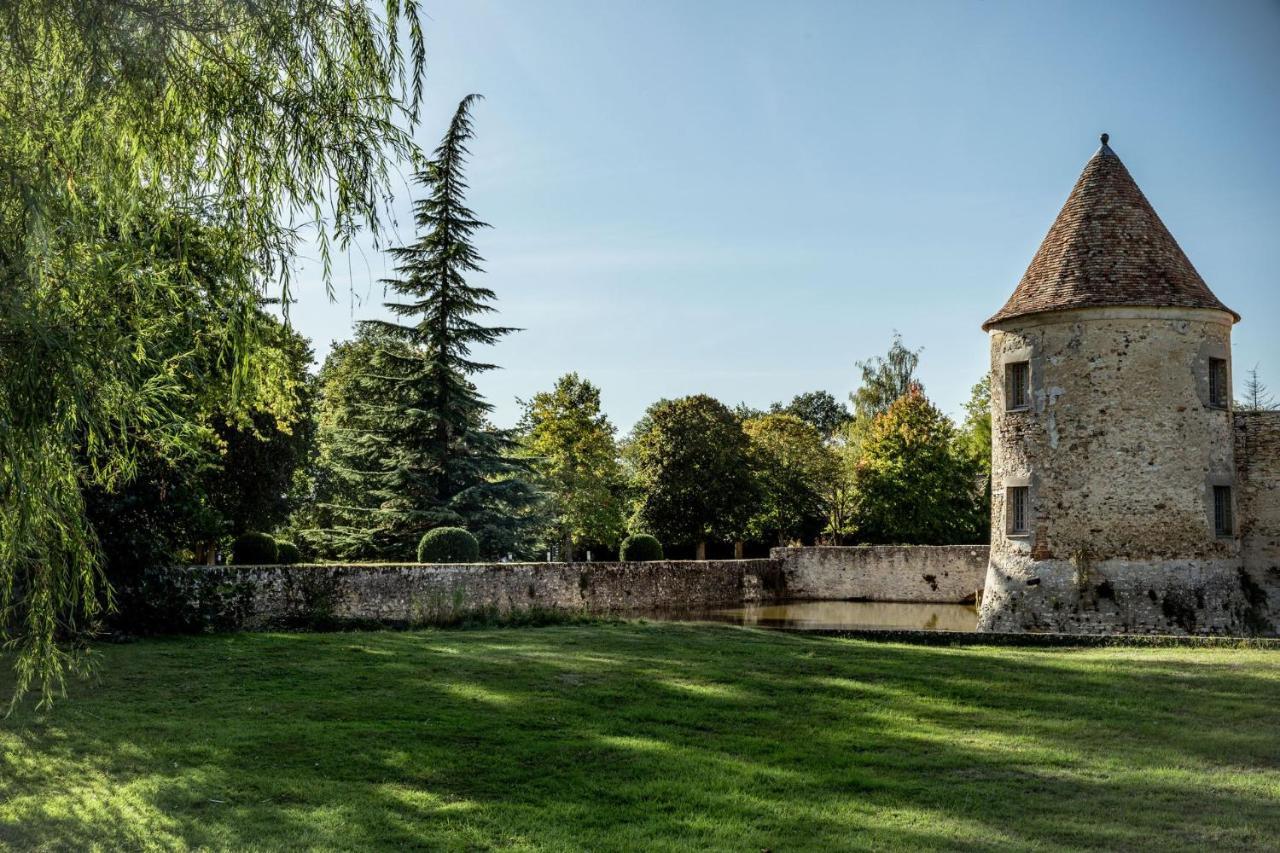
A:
x: 640, y: 547
x: 448, y: 545
x: 287, y: 552
x: 254, y: 549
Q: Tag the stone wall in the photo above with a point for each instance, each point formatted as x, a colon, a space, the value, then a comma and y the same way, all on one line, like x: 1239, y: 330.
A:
x: 946, y: 573
x: 248, y: 597
x: 1119, y: 597
x: 197, y: 598
x: 1258, y: 504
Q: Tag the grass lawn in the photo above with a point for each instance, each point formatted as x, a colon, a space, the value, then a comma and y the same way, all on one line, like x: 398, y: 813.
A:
x: 647, y: 736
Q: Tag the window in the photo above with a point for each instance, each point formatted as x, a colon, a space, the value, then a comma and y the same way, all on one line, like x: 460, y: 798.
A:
x: 1223, y: 524
x: 1017, y: 379
x: 1218, y: 383
x: 1018, y: 510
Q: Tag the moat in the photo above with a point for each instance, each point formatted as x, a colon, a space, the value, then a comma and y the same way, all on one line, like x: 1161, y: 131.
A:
x: 829, y: 615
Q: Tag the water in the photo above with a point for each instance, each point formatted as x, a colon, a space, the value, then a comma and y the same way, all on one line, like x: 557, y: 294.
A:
x: 814, y: 615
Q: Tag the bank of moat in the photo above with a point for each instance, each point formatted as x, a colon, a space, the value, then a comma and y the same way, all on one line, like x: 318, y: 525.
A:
x: 1128, y: 495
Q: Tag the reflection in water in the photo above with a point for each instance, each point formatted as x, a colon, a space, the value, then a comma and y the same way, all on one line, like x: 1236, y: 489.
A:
x: 849, y: 614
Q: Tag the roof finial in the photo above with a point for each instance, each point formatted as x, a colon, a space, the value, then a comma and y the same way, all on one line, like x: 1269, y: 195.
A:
x: 1106, y: 137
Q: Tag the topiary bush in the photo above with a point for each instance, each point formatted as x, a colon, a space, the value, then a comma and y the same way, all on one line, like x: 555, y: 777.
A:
x: 640, y: 547
x: 287, y: 552
x: 254, y: 549
x: 448, y: 545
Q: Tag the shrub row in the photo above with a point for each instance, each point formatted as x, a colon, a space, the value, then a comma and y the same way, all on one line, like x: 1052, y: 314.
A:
x: 440, y: 545
x: 261, y: 549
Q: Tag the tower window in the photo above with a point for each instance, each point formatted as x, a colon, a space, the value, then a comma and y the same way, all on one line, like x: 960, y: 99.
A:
x: 1018, y: 510
x: 1017, y: 381
x: 1223, y: 524
x: 1218, y: 392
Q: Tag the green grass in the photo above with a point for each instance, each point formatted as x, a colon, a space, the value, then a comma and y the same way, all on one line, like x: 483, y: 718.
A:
x: 647, y: 736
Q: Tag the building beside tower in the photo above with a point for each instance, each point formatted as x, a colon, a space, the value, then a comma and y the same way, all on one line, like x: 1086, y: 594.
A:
x: 1127, y: 494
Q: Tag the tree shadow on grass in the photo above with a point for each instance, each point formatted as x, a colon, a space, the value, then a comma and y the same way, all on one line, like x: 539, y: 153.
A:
x: 661, y: 737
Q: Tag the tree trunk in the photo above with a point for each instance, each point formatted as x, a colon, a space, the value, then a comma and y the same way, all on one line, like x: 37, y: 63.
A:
x: 205, y: 553
x: 702, y: 550
x: 566, y: 548
x: 739, y: 548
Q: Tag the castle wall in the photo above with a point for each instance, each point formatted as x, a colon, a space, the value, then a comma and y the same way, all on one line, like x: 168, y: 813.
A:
x: 258, y: 597
x: 201, y: 598
x: 1120, y: 450
x: 933, y: 573
x: 1257, y: 451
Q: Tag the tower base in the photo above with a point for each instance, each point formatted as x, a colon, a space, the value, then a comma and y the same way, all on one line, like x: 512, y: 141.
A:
x: 1122, y: 597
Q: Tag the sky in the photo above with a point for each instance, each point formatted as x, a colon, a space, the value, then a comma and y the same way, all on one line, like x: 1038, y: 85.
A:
x: 746, y: 198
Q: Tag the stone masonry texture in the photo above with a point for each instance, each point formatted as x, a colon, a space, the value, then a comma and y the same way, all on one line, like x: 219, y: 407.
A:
x: 1258, y: 485
x: 945, y: 573
x: 1120, y: 449
x: 255, y: 597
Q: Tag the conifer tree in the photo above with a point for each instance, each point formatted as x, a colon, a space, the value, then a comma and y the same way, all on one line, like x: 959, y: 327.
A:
x: 415, y: 447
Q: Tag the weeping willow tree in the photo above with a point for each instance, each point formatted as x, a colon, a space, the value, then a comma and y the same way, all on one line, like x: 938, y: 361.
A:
x: 131, y: 130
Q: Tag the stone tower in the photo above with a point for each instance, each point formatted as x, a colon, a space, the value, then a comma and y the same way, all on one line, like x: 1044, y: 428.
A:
x: 1113, y: 493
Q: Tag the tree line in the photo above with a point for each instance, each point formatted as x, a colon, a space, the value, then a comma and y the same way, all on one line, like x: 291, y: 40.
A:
x: 392, y: 439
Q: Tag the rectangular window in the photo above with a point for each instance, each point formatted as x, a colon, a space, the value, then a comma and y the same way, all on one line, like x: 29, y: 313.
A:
x: 1017, y: 382
x: 1018, y: 510
x: 1223, y: 525
x: 1218, y: 391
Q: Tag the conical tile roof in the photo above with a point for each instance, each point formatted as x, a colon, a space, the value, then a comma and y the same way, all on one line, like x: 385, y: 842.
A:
x: 1107, y: 248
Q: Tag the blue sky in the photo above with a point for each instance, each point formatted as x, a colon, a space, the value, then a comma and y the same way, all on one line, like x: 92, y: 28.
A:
x: 744, y: 199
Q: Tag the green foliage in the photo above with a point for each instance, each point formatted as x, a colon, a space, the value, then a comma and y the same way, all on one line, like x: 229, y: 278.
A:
x: 691, y: 464
x: 640, y: 547
x: 250, y: 482
x: 287, y: 553
x: 254, y: 549
x: 975, y: 442
x: 448, y: 545
x: 792, y: 468
x: 570, y: 446
x: 819, y: 409
x: 409, y: 445
x: 884, y: 380
x: 915, y: 484
x: 976, y: 429
x: 141, y: 138
x: 237, y: 472
x: 838, y: 489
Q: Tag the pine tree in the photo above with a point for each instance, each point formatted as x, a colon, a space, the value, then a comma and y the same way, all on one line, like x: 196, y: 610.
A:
x: 1257, y: 397
x: 415, y: 449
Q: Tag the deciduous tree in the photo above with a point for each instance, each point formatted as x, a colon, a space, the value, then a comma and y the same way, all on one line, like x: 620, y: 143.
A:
x: 819, y: 409
x: 884, y: 380
x: 571, y: 449
x: 915, y: 484
x: 690, y: 457
x: 127, y: 127
x: 793, y: 470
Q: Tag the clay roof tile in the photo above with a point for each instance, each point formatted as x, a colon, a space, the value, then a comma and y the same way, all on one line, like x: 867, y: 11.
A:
x: 1107, y: 248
